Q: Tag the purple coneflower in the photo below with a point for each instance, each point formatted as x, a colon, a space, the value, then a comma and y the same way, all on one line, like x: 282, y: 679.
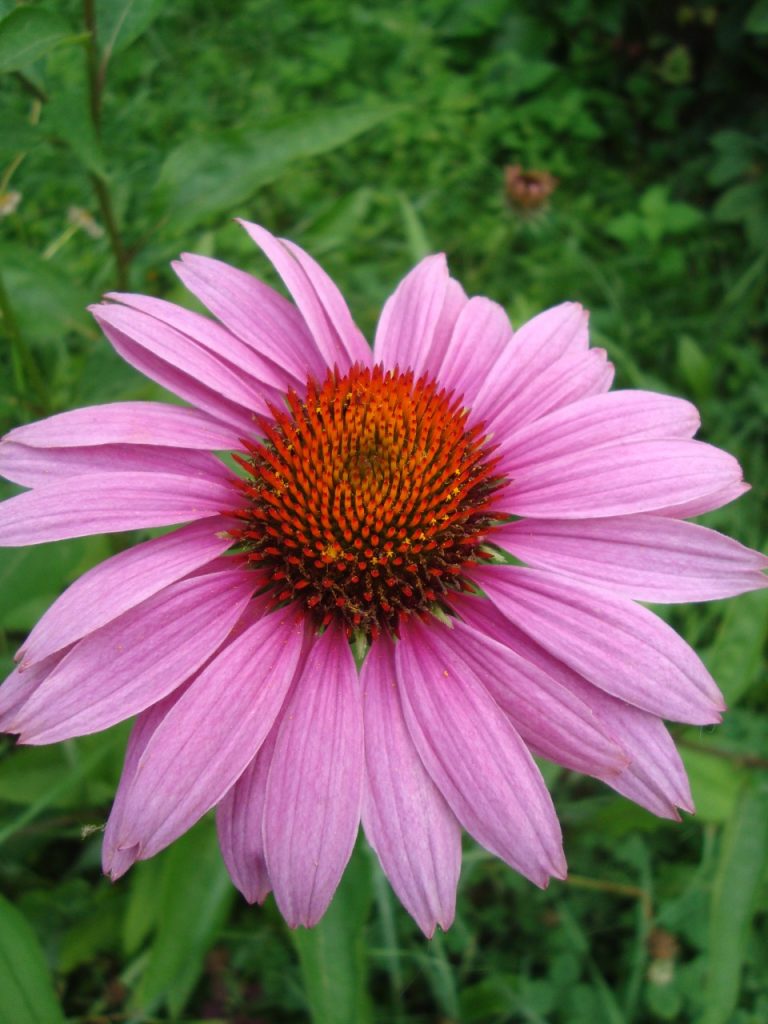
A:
x: 337, y: 634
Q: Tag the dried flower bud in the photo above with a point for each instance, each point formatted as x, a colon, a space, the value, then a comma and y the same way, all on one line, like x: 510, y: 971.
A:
x: 528, y: 190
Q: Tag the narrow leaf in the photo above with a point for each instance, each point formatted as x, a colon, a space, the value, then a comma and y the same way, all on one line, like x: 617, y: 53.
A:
x: 205, y: 177
x: 332, y: 954
x: 740, y: 871
x: 193, y: 901
x: 28, y: 996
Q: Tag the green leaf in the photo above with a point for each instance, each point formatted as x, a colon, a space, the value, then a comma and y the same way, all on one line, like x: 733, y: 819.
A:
x: 332, y: 954
x: 205, y: 177
x: 86, y: 754
x: 735, y: 152
x: 120, y: 22
x: 739, y: 874
x: 141, y: 913
x: 419, y: 245
x: 193, y: 901
x: 735, y: 658
x: 740, y: 202
x: 25, y: 980
x: 757, y: 19
x: 35, y: 576
x: 18, y: 135
x: 715, y: 784
x: 28, y: 33
x: 47, y: 302
x: 696, y: 367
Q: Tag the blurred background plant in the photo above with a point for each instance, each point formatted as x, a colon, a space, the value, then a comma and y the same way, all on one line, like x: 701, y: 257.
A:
x: 372, y: 134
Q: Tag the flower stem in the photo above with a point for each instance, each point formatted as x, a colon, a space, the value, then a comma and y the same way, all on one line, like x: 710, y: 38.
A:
x: 95, y: 91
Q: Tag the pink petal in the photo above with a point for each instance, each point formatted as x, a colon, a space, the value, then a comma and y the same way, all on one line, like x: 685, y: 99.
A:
x: 319, y: 301
x: 122, y: 582
x: 549, y: 718
x: 354, y: 344
x: 19, y: 687
x: 109, y: 502
x: 252, y: 367
x: 615, y: 644
x: 411, y: 316
x: 161, y: 364
x: 481, y: 333
x: 406, y: 820
x: 619, y: 479
x: 136, y: 659
x: 536, y: 347
x: 207, y: 740
x: 476, y: 758
x: 257, y: 314
x: 595, y: 422
x: 654, y: 777
x: 36, y: 467
x: 115, y: 862
x: 577, y: 375
x: 315, y: 785
x: 644, y: 557
x: 142, y: 423
x: 698, y: 506
x: 455, y: 300
x: 184, y: 353
x: 239, y: 819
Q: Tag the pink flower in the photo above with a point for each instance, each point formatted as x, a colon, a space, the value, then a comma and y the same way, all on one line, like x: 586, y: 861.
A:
x: 335, y: 635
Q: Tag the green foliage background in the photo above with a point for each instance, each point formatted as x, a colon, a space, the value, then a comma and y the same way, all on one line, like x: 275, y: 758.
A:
x: 373, y: 133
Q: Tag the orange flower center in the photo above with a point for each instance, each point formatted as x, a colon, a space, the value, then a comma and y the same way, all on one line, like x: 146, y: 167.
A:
x: 367, y: 499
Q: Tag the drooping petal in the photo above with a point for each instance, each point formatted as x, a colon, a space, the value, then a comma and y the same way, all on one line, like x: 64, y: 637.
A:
x: 136, y: 659
x: 406, y: 820
x: 253, y: 368
x: 110, y: 502
x: 185, y: 353
x: 142, y: 423
x: 19, y: 687
x: 481, y: 332
x: 160, y: 364
x: 116, y: 861
x: 36, y: 467
x: 550, y: 719
x: 645, y: 557
x: 314, y: 791
x: 239, y: 819
x: 595, y: 422
x: 476, y: 758
x: 411, y: 316
x: 256, y: 313
x: 616, y: 644
x: 123, y: 581
x: 621, y: 479
x: 317, y: 298
x: 654, y: 776
x: 210, y: 736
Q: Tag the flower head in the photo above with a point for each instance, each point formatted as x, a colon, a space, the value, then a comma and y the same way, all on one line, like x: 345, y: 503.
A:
x: 338, y: 632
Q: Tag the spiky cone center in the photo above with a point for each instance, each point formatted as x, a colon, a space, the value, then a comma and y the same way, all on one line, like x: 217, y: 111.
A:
x: 367, y: 499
